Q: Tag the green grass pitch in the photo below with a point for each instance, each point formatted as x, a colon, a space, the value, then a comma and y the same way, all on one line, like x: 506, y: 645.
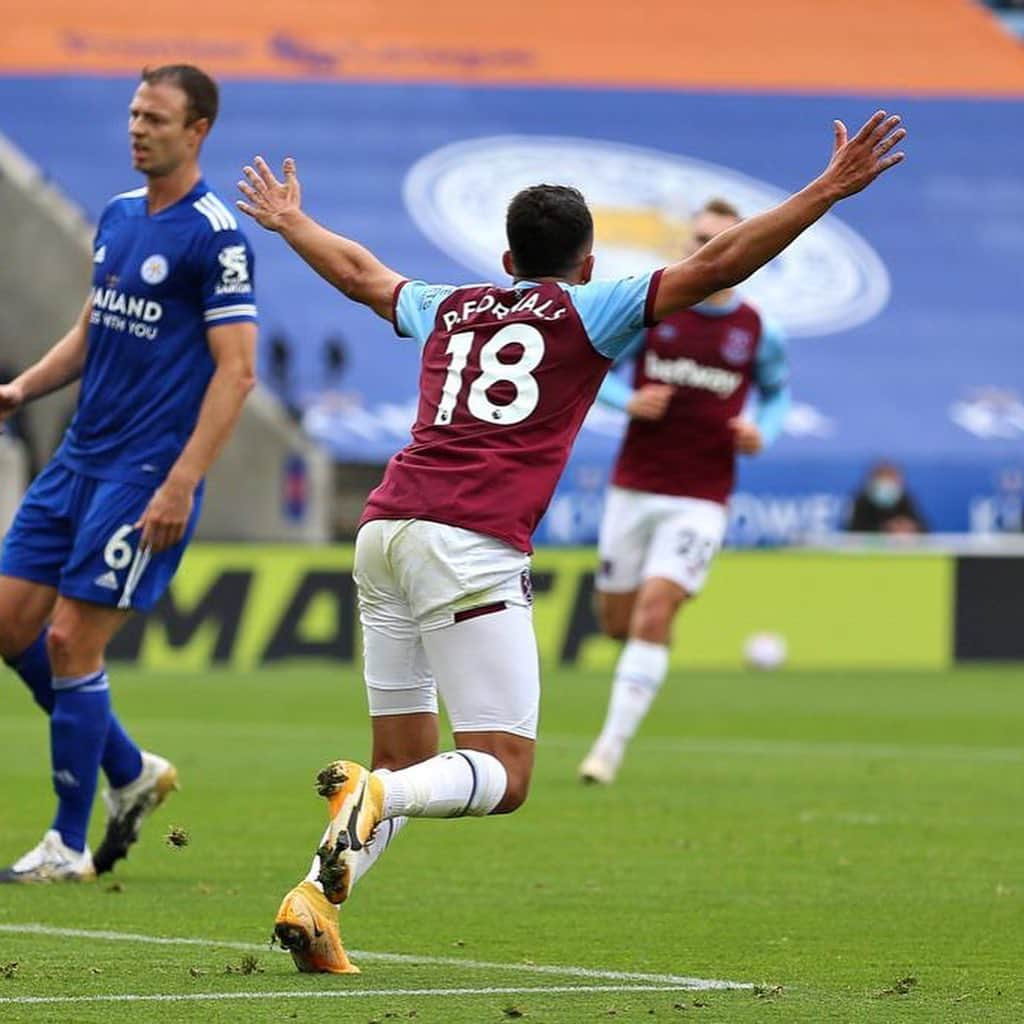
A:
x: 849, y: 843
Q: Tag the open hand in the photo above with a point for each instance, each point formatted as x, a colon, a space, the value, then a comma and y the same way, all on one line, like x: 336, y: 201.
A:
x: 650, y: 402
x: 858, y: 161
x: 270, y: 202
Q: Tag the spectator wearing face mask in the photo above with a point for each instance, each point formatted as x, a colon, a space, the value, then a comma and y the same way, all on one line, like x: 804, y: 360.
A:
x: 883, y: 505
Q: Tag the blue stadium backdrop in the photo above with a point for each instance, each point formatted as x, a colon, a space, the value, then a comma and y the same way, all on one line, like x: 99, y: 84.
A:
x: 904, y: 309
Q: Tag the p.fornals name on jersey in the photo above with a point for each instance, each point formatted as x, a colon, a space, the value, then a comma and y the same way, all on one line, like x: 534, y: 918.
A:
x: 490, y: 304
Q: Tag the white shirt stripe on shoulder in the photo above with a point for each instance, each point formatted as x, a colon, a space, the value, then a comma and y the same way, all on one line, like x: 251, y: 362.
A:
x: 218, y: 205
x: 135, y: 193
x: 217, y: 222
x: 219, y: 216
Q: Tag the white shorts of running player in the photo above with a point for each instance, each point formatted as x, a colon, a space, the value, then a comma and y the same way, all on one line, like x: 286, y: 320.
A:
x: 646, y: 535
x: 447, y: 611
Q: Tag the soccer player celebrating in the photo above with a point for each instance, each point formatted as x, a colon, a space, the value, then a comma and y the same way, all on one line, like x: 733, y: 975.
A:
x: 164, y: 348
x: 442, y: 555
x: 665, y: 514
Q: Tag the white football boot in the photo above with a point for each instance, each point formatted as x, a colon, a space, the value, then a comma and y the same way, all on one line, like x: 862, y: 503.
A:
x: 601, y: 765
x: 51, y: 861
x: 128, y: 805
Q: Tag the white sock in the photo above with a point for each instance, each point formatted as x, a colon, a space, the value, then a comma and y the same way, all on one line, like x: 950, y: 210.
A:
x: 638, y: 677
x: 450, y: 785
x: 368, y: 856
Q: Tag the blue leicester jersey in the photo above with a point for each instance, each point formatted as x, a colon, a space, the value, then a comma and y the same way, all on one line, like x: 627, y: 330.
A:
x: 159, y: 282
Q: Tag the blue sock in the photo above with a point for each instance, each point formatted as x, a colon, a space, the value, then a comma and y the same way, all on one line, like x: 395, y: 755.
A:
x: 78, y: 733
x: 33, y: 665
x: 122, y: 759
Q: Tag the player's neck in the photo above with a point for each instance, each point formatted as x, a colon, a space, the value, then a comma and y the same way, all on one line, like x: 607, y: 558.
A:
x: 722, y: 298
x: 545, y: 280
x: 167, y: 189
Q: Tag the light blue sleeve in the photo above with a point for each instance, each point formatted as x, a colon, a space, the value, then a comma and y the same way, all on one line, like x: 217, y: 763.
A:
x: 614, y: 311
x: 771, y: 377
x: 615, y: 390
x: 416, y: 308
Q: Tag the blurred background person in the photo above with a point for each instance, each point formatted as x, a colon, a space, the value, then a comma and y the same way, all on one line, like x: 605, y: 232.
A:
x: 883, y: 505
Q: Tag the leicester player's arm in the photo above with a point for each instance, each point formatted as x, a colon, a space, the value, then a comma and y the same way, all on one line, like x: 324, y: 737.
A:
x: 734, y: 255
x: 60, y: 366
x: 349, y: 266
x: 233, y: 348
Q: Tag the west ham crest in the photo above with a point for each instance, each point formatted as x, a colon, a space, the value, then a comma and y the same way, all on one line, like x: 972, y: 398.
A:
x: 738, y: 346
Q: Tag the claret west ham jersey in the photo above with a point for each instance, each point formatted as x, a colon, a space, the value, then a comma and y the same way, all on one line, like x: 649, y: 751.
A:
x: 159, y: 281
x: 711, y: 355
x: 507, y: 377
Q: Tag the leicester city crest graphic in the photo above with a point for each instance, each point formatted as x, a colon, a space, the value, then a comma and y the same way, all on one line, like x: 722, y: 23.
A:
x: 154, y: 269
x: 643, y: 200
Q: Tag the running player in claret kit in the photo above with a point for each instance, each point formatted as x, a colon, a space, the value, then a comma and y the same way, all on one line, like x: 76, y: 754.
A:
x: 442, y: 555
x: 164, y: 348
x: 665, y: 513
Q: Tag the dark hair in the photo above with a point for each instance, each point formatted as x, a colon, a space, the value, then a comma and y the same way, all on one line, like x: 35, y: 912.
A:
x: 201, y: 93
x: 549, y: 228
x: 721, y: 207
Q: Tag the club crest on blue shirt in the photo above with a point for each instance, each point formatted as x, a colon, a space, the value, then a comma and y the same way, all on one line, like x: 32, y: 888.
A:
x: 738, y: 346
x: 154, y: 269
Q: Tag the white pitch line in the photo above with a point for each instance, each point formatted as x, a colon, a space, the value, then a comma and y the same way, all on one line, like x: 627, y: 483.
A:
x: 797, y: 748
x: 674, y: 980
x: 196, y: 997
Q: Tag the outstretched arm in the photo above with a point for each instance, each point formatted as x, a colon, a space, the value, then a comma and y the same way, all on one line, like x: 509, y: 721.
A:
x: 735, y: 254
x: 351, y: 268
x: 60, y: 366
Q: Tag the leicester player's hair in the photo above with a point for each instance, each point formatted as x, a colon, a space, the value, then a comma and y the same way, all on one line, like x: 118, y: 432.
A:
x: 201, y: 92
x: 550, y: 230
x: 722, y: 208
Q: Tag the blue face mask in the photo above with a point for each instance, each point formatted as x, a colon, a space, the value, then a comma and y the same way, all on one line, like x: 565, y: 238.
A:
x: 884, y: 491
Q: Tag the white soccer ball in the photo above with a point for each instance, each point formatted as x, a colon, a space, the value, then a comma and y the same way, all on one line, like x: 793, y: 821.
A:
x: 765, y: 651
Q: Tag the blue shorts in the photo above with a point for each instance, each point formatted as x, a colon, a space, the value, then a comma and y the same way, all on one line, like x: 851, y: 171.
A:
x: 77, y: 533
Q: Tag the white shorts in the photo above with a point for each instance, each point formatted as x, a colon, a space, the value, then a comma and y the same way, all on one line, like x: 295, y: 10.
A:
x: 447, y: 610
x: 647, y: 535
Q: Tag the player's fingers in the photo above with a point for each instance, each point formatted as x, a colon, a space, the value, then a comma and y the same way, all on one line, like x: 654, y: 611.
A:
x: 248, y: 191
x: 870, y: 125
x: 266, y: 173
x: 887, y: 143
x: 246, y: 208
x: 890, y: 161
x: 160, y: 539
x: 290, y: 170
x: 255, y: 180
x: 885, y: 127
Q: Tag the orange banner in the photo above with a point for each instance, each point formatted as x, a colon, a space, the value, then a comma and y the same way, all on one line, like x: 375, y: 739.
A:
x: 950, y: 47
